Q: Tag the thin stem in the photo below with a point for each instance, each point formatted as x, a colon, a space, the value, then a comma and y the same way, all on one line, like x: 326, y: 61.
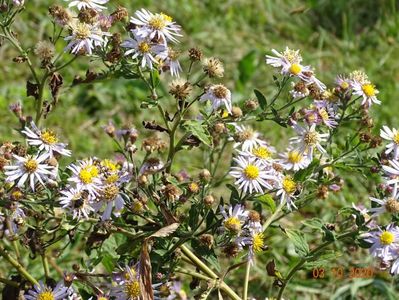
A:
x: 193, y: 274
x: 9, y: 282
x: 273, y: 216
x: 45, y: 266
x: 246, y: 280
x: 21, y: 270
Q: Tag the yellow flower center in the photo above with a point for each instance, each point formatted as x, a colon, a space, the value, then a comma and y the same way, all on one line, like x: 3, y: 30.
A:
x: 368, y: 90
x: 387, y: 238
x: 31, y: 165
x: 295, y: 69
x: 258, y: 243
x: 323, y: 114
x: 112, y: 178
x: 110, y: 192
x: 132, y: 289
x: 144, y: 47
x: 87, y: 174
x: 159, y: 21
x: 132, y: 276
x: 311, y: 138
x: 344, y: 85
x: 262, y: 152
x: 396, y: 138
x: 251, y: 172
x: 232, y: 224
x: 294, y: 157
x: 102, y: 298
x: 289, y: 185
x: 110, y: 165
x: 82, y: 31
x: 49, y: 137
x: 47, y: 295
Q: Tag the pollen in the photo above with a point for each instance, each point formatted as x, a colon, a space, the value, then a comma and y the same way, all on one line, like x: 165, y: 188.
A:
x: 158, y: 22
x: 368, y: 89
x: 31, y: 165
x: 132, y: 289
x: 292, y: 55
x: 311, y: 138
x: 251, y: 172
x: 110, y: 192
x: 262, y: 152
x: 232, y: 224
x: 295, y: 69
x: 47, y: 295
x: 387, y: 238
x: 294, y: 157
x: 289, y: 185
x: 49, y: 137
x: 396, y: 138
x: 82, y: 31
x: 87, y: 174
x: 258, y: 242
x: 144, y: 47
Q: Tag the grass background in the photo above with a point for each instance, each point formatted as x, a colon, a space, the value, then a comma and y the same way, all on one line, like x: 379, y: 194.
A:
x: 334, y: 36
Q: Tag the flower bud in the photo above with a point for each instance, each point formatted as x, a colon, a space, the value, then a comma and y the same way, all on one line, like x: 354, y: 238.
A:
x: 142, y: 180
x: 236, y: 112
x: 205, y: 175
x: 193, y: 187
x: 209, y: 200
x: 251, y: 104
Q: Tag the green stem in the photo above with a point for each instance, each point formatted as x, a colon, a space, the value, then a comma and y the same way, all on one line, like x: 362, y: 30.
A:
x: 9, y: 282
x: 273, y: 216
x: 300, y: 263
x: 193, y: 274
x: 246, y: 280
x: 21, y: 270
x: 45, y: 266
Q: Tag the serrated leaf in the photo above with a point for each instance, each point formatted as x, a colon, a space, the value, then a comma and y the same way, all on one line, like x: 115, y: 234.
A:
x: 199, y: 131
x: 315, y: 223
x: 166, y: 231
x: 298, y: 239
x: 267, y: 201
x: 320, y: 261
x: 261, y: 99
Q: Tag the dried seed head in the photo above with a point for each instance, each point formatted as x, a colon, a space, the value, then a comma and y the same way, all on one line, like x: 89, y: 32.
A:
x: 180, y: 89
x: 231, y: 250
x: 206, y: 240
x: 153, y: 144
x: 60, y: 15
x: 3, y: 162
x: 219, y: 128
x: 171, y: 192
x: 392, y: 206
x: 205, y: 175
x: 254, y: 216
x: 44, y: 50
x: 209, y: 200
x: 213, y: 67
x: 195, y: 54
x: 375, y: 142
x: 322, y: 192
x: 251, y: 104
x: 236, y: 112
x: 120, y: 14
x: 88, y: 15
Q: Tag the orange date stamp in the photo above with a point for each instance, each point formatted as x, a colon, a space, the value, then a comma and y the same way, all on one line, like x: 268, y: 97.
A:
x: 340, y: 272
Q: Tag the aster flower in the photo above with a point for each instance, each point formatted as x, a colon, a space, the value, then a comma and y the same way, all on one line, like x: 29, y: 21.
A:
x: 247, y: 138
x: 286, y: 188
x: 85, y: 37
x: 31, y: 168
x: 384, y: 242
x: 86, y: 176
x: 43, y: 292
x: 281, y: 60
x: 299, y: 90
x: 235, y: 218
x: 309, y: 139
x: 46, y: 140
x: 343, y: 82
x: 392, y: 172
x: 264, y: 154
x: 155, y: 26
x: 127, y: 284
x: 367, y: 91
x: 77, y: 202
x: 395, y: 266
x: 294, y: 160
x: 151, y: 166
x: 219, y: 96
x: 393, y: 136
x: 251, y: 175
x: 255, y: 241
x: 85, y: 4
x: 390, y: 205
x: 143, y: 49
x: 110, y: 196
x: 171, y: 62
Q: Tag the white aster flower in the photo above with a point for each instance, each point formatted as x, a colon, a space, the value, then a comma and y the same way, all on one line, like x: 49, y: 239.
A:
x: 235, y: 218
x: 395, y: 266
x: 85, y: 4
x: 286, y: 189
x: 251, y: 175
x: 43, y: 292
x: 247, y: 138
x: 85, y: 37
x: 343, y: 82
x: 393, y: 136
x: 31, y: 168
x: 170, y: 61
x: 255, y: 241
x: 281, y: 60
x: 46, y: 140
x: 392, y: 172
x: 219, y: 96
x: 86, y: 176
x: 264, y: 154
x: 390, y: 205
x: 143, y: 49
x: 308, y: 139
x: 155, y: 26
x: 294, y: 160
x: 110, y: 197
x: 77, y: 202
x: 384, y: 242
x: 367, y: 91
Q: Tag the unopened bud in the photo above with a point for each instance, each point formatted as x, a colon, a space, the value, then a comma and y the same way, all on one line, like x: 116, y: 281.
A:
x: 209, y: 200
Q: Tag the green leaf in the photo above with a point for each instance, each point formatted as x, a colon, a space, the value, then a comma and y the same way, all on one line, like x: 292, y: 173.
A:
x: 302, y: 175
x: 267, y: 201
x: 315, y: 223
x: 199, y: 130
x: 320, y: 260
x: 298, y: 239
x: 247, y: 66
x: 261, y: 99
x: 108, y: 262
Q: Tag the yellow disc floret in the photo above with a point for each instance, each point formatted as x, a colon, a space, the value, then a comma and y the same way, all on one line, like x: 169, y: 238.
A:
x: 262, y: 152
x: 251, y: 172
x: 396, y: 138
x: 233, y: 224
x: 159, y: 21
x: 49, y: 137
x: 258, y: 242
x: 311, y: 138
x: 132, y: 289
x: 294, y: 156
x: 387, y: 238
x: 368, y: 89
x: 87, y: 174
x: 31, y: 165
x: 289, y: 185
x: 47, y: 295
x: 295, y: 69
x: 82, y: 31
x: 144, y: 47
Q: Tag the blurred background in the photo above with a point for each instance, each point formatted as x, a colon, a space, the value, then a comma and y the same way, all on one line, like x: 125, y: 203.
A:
x: 335, y: 37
